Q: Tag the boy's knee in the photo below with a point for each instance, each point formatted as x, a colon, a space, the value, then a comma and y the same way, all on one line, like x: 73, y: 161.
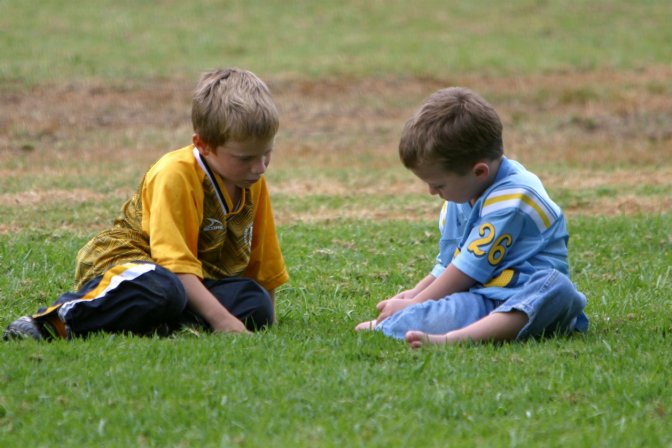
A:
x: 262, y: 312
x: 169, y: 291
x: 246, y: 299
x: 557, y: 304
x: 574, y: 302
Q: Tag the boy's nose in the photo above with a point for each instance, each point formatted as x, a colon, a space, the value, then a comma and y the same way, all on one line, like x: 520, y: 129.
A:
x: 260, y: 167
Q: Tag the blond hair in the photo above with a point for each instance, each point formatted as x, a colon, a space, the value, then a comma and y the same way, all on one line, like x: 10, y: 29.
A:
x: 454, y: 127
x: 233, y: 104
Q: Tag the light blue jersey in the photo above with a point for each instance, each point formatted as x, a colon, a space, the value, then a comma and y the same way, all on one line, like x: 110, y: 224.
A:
x: 513, y: 230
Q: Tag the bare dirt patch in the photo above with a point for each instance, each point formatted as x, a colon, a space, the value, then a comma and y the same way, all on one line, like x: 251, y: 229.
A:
x: 581, y: 131
x: 32, y: 198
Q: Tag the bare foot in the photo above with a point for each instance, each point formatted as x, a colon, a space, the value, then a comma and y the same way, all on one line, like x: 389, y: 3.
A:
x: 417, y: 338
x: 369, y: 325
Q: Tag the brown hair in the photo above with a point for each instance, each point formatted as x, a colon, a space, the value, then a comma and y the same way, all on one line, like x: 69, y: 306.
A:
x: 233, y: 104
x: 454, y: 127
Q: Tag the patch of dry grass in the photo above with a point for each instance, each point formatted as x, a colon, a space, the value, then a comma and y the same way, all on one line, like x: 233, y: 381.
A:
x: 582, y: 132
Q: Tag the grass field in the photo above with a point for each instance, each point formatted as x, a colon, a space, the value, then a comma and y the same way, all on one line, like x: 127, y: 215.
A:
x: 91, y: 93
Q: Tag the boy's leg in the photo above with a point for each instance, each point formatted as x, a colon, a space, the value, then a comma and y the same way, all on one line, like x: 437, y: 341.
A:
x: 495, y: 327
x: 134, y: 297
x: 552, y: 304
x: 242, y: 297
x: 548, y: 304
x: 438, y: 316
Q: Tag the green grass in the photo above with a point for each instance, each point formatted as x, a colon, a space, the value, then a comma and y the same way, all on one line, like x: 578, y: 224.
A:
x: 114, y: 39
x: 312, y: 381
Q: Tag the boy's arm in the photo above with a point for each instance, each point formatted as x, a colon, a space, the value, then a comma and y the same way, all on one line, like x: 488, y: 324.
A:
x: 419, y: 287
x: 208, y: 307
x: 450, y: 281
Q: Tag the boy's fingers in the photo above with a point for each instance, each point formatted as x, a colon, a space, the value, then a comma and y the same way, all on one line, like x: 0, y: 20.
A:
x: 381, y: 305
x: 369, y: 325
x: 382, y: 316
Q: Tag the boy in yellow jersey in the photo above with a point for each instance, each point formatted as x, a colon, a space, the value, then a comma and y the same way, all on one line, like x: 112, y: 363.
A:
x: 196, y: 244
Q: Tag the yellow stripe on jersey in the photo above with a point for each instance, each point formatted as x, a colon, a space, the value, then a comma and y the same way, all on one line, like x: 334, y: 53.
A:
x: 502, y: 280
x: 442, y: 215
x: 512, y: 198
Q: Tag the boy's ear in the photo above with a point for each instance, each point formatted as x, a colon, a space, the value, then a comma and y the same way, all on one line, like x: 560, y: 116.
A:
x: 198, y: 142
x: 481, y: 170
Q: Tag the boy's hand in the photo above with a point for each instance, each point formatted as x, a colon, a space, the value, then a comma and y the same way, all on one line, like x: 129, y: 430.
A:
x: 368, y: 325
x: 405, y: 295
x: 230, y: 325
x: 390, y: 306
x: 208, y: 307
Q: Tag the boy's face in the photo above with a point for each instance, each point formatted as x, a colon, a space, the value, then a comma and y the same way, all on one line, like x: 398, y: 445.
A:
x: 450, y: 186
x: 240, y: 163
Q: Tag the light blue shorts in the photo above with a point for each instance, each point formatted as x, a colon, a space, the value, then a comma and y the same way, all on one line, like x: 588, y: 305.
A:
x: 550, y: 300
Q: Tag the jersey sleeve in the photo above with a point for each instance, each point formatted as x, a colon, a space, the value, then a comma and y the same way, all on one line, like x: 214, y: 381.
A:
x: 451, y: 226
x: 487, y: 244
x: 172, y: 213
x: 506, y: 216
x: 266, y: 265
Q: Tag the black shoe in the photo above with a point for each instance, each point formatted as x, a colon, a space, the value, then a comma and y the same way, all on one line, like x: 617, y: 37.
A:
x: 24, y: 327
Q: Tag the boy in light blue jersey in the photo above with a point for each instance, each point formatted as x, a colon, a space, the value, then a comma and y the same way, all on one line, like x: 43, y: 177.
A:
x: 502, y: 271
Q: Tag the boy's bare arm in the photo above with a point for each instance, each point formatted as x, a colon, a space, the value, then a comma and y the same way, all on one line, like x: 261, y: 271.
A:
x: 419, y: 287
x: 207, y: 306
x: 450, y: 281
x: 406, y: 295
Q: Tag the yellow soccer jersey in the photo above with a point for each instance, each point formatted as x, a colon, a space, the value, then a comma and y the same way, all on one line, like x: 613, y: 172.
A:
x: 180, y: 220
